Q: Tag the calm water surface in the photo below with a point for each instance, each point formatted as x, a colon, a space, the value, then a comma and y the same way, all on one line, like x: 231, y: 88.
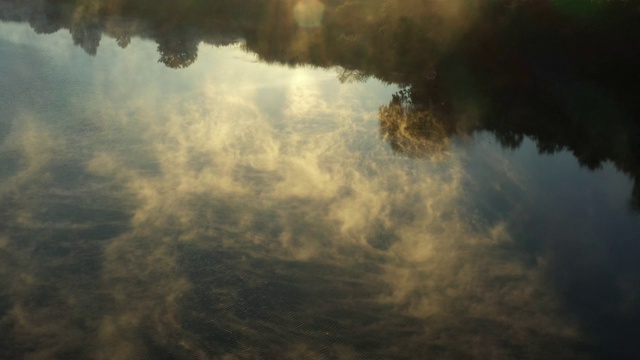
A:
x: 276, y: 179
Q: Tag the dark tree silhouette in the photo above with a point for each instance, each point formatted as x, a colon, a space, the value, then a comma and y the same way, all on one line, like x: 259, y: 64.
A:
x: 87, y: 35
x: 562, y: 73
x: 178, y: 50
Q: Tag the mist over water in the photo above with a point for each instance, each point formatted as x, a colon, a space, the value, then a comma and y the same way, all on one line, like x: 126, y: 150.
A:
x: 287, y: 184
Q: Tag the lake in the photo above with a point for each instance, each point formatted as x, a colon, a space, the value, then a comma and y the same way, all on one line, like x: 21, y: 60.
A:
x: 307, y: 179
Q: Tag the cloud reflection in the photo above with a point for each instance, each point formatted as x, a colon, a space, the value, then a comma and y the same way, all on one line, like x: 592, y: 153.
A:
x: 250, y: 234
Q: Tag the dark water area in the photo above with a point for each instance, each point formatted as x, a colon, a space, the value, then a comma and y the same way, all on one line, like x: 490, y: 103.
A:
x: 307, y: 179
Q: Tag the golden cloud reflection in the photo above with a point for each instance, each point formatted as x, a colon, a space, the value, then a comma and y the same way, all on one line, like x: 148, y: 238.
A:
x: 251, y: 235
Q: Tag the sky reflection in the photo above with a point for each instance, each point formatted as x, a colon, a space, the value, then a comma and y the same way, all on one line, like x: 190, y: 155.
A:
x: 240, y: 210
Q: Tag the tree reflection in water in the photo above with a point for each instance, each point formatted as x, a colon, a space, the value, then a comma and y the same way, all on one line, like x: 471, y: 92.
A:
x: 522, y: 69
x: 563, y: 74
